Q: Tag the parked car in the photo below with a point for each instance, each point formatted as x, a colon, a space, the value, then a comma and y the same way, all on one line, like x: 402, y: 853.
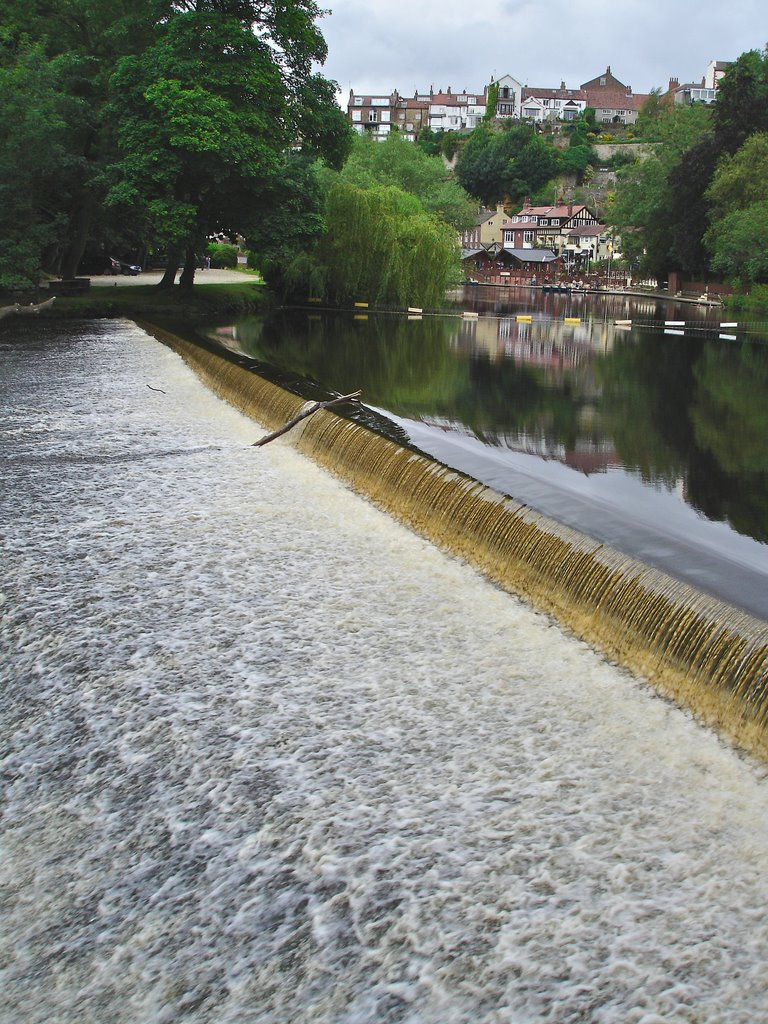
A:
x: 131, y: 269
x: 98, y: 265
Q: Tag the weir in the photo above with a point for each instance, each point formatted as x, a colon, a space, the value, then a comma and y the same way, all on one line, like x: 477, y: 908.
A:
x: 695, y: 649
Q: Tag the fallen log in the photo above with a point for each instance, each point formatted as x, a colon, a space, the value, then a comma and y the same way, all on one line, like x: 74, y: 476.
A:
x: 353, y: 397
x: 31, y: 308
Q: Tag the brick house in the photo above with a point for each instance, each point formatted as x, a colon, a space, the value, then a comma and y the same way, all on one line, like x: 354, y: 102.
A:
x: 613, y: 102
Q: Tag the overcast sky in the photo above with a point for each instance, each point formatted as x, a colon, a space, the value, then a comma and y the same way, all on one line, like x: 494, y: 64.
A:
x: 375, y: 46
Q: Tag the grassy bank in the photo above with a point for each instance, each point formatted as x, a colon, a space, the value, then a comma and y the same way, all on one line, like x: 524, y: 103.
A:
x: 207, y: 302
x: 755, y: 303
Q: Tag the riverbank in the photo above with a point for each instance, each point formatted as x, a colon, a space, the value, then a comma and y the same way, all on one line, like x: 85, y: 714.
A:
x: 215, y: 293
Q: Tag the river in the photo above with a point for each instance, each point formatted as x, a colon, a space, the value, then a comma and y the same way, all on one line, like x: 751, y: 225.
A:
x: 268, y: 757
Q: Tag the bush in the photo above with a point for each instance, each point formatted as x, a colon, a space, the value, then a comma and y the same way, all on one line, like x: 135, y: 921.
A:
x: 223, y: 257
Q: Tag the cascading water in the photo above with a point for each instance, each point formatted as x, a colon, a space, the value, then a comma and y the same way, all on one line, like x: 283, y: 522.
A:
x: 270, y: 757
x: 696, y: 649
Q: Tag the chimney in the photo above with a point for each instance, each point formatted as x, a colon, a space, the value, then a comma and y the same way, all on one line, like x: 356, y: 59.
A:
x: 562, y: 85
x: 448, y: 91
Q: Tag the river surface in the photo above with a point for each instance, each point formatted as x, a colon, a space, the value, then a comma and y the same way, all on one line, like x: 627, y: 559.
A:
x: 268, y: 757
x: 651, y: 438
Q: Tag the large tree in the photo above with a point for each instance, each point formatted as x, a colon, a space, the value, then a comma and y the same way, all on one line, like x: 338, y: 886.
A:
x: 165, y: 120
x: 741, y: 109
x: 643, y: 206
x: 206, y: 113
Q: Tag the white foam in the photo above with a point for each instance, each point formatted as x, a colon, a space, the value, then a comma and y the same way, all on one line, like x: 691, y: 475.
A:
x: 269, y: 757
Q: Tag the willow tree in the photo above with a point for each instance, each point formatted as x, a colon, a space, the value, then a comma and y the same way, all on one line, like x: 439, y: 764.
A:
x: 381, y: 246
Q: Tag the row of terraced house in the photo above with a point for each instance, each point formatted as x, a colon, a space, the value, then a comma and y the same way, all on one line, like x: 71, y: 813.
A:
x: 613, y: 102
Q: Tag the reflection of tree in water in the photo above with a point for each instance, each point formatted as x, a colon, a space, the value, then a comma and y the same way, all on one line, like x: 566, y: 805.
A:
x: 646, y: 392
x: 504, y: 396
x: 730, y: 421
x: 412, y: 368
x: 676, y: 410
x: 694, y: 411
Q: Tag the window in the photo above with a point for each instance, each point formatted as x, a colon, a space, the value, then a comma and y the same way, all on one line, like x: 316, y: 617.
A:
x: 372, y: 116
x: 505, y: 93
x: 602, y: 80
x: 380, y: 101
x: 357, y: 101
x: 527, y: 236
x: 356, y: 115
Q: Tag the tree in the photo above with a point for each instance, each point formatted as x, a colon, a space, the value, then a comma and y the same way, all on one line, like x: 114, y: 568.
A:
x: 75, y: 45
x: 206, y: 112
x: 400, y: 163
x: 742, y: 101
x: 378, y: 245
x: 643, y: 207
x: 33, y: 149
x: 650, y: 114
x: 741, y: 109
x: 512, y: 163
x: 737, y: 237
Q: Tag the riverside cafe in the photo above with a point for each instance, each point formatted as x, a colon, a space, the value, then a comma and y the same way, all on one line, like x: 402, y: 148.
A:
x: 493, y: 264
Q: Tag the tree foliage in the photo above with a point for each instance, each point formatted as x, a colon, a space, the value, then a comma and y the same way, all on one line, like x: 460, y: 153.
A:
x: 698, y: 204
x: 170, y: 116
x: 512, y: 164
x: 400, y: 163
x: 33, y: 150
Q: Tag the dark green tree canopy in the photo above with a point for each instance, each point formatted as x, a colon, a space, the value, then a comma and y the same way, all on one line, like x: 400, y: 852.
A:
x: 509, y: 164
x: 176, y: 115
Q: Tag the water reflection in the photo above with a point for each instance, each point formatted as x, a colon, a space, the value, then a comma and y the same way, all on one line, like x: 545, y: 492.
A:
x: 644, y: 417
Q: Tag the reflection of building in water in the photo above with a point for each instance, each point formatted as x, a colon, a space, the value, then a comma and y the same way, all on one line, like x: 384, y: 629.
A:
x: 563, y: 354
x: 541, y: 342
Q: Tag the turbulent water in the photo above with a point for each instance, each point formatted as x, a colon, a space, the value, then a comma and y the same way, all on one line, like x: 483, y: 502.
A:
x: 268, y: 757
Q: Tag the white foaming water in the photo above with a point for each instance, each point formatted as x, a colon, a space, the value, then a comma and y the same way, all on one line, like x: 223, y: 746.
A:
x: 268, y: 757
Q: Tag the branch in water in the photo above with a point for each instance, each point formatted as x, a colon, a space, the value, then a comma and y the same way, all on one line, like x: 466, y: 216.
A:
x: 31, y: 308
x: 354, y: 397
x: 156, y: 389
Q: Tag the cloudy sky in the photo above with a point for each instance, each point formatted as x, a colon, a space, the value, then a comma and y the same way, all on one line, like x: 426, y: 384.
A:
x: 376, y: 46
